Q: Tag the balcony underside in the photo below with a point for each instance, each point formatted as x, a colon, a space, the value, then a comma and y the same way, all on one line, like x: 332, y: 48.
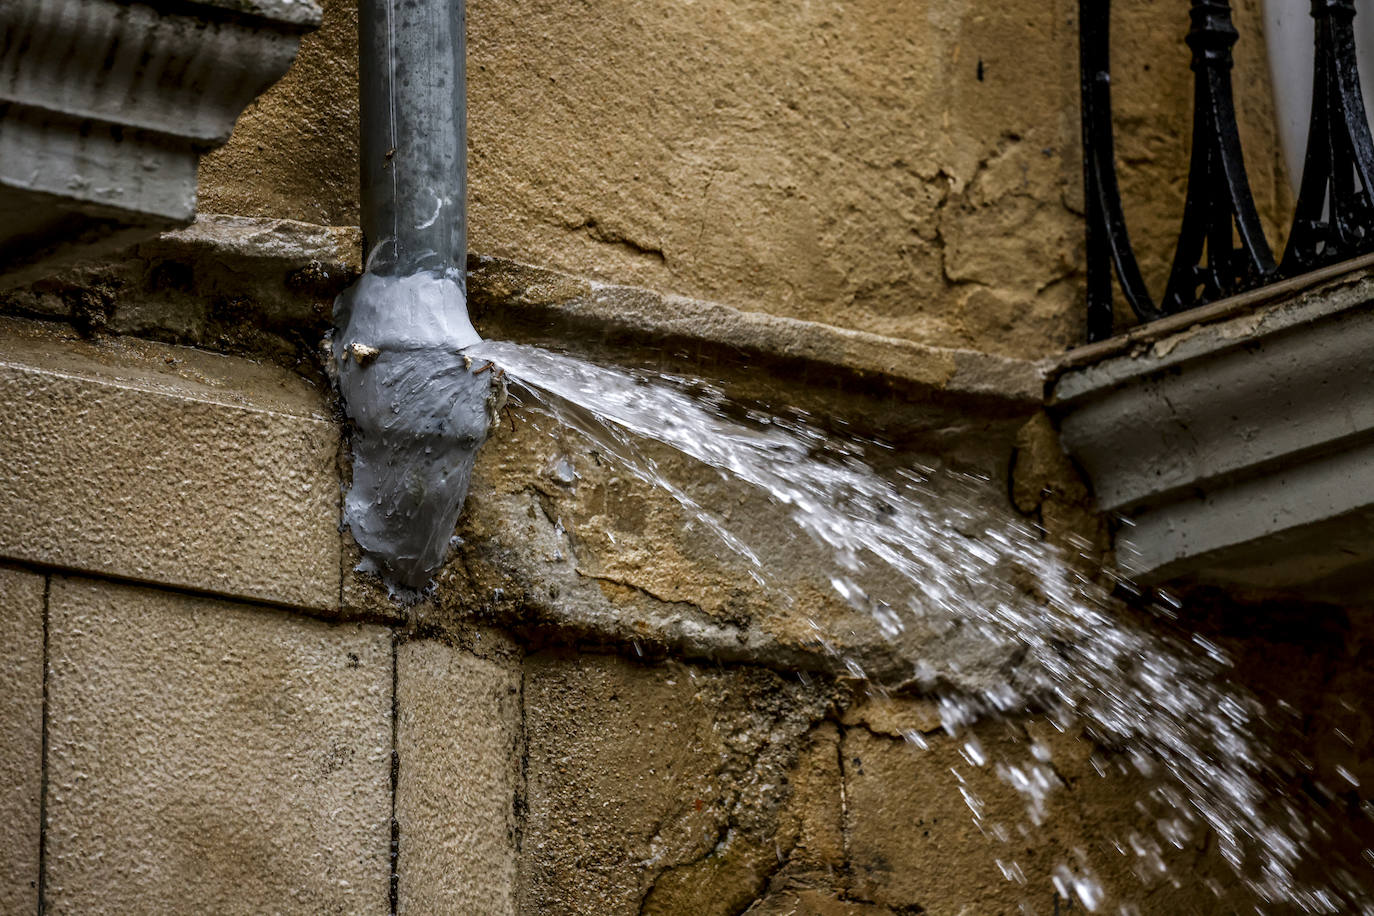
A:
x: 1238, y: 451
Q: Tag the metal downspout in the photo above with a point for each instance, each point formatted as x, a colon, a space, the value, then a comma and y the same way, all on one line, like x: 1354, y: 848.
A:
x: 419, y: 412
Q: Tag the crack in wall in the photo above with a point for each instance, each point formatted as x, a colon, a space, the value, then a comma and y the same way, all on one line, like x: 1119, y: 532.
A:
x: 43, y: 755
x: 598, y: 232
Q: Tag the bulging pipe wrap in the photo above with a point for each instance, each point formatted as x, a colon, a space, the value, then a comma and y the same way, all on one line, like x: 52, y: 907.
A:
x: 420, y: 409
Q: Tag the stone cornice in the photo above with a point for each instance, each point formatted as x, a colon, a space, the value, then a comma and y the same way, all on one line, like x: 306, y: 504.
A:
x: 106, y: 107
x: 1238, y: 451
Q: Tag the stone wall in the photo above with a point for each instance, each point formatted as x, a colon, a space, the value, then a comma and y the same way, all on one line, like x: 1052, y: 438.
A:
x: 908, y: 170
x: 865, y: 212
x: 211, y: 718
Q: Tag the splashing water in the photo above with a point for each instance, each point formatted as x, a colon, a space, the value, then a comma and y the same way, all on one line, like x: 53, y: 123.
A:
x: 1164, y: 700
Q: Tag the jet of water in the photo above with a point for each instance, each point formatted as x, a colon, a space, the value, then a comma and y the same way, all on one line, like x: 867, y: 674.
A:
x: 1164, y: 699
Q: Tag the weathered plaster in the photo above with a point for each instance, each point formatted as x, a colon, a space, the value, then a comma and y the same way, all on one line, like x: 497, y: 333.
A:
x: 657, y: 789
x: 907, y: 171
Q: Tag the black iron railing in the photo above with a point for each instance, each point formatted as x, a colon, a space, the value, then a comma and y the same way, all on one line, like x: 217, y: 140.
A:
x: 1222, y: 249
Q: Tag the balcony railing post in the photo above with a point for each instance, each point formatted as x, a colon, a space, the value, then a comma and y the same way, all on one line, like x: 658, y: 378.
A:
x: 1219, y: 209
x: 1334, y: 218
x: 1108, y: 242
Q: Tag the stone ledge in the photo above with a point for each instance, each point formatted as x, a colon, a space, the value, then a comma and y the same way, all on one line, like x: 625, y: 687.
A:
x: 167, y: 465
x: 263, y: 288
x: 532, y: 301
x: 284, y: 272
x: 1235, y: 449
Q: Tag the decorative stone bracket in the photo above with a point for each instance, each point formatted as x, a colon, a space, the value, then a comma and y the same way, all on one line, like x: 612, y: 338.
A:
x: 1239, y: 452
x: 106, y: 107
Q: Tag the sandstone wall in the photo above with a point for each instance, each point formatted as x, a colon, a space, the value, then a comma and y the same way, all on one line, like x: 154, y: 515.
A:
x: 594, y: 712
x: 906, y: 169
x: 617, y: 730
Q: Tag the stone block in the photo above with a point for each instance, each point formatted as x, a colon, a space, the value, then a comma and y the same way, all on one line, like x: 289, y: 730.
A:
x: 210, y: 757
x: 169, y: 466
x: 458, y: 743
x: 21, y: 738
x: 913, y: 841
x: 916, y: 844
x: 811, y: 902
x: 659, y: 789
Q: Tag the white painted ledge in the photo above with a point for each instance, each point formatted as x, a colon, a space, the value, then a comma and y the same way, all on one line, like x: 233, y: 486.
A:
x: 1240, y: 452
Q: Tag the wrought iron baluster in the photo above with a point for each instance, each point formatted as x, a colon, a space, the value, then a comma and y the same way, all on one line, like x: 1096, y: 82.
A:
x: 1219, y: 206
x: 1108, y: 242
x: 1334, y: 219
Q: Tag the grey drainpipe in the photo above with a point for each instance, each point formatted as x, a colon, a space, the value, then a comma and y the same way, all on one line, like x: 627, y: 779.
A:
x: 419, y: 411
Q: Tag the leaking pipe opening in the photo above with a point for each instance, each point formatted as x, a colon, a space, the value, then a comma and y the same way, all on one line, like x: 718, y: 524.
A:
x: 420, y: 409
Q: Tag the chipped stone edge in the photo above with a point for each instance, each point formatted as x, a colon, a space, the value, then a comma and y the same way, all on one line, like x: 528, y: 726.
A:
x: 252, y: 239
x: 507, y: 295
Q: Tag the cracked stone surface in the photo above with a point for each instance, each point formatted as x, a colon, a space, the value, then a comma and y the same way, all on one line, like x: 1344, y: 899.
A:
x: 602, y: 557
x: 659, y: 789
x: 683, y: 790
x: 915, y: 845
x: 908, y: 170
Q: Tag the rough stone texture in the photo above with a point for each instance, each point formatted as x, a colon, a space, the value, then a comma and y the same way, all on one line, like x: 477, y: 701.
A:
x: 516, y: 301
x: 810, y: 902
x: 294, y: 151
x: 909, y: 171
x: 209, y: 757
x: 598, y: 554
x: 915, y: 845
x: 458, y: 778
x: 263, y: 288
x: 662, y: 789
x: 21, y: 738
x: 828, y: 165
x: 1046, y: 486
x: 677, y: 789
x: 603, y: 557
x: 167, y: 465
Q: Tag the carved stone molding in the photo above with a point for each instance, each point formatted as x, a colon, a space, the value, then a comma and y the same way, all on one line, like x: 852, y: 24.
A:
x: 107, y: 106
x: 1240, y: 453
